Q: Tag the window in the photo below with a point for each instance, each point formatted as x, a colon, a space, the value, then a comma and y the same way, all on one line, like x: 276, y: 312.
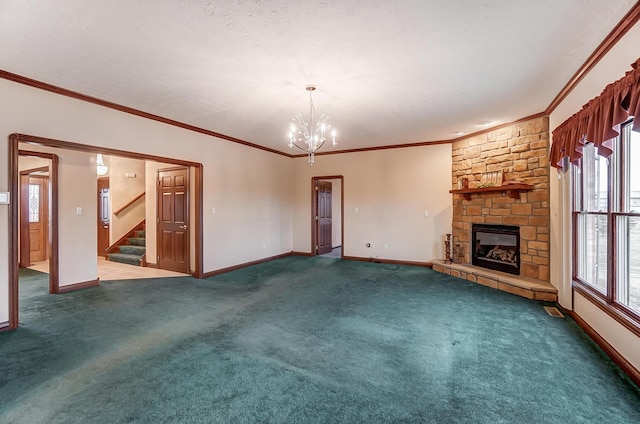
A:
x: 606, y: 224
x: 34, y: 203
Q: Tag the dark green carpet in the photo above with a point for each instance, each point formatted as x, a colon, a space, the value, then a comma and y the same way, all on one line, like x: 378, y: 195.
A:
x: 301, y: 340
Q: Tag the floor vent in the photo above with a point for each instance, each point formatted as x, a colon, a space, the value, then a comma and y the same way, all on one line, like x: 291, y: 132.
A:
x: 553, y: 311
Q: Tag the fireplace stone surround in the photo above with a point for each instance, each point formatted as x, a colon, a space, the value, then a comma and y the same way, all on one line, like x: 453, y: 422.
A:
x: 520, y: 151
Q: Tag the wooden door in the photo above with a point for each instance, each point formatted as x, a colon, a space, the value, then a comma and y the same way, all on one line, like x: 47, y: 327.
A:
x: 323, y: 217
x: 104, y: 215
x: 173, y: 219
x: 34, y: 219
x: 25, y: 260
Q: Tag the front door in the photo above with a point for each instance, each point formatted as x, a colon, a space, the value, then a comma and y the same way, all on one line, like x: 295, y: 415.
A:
x: 34, y: 219
x: 104, y: 213
x: 173, y: 219
x: 323, y: 217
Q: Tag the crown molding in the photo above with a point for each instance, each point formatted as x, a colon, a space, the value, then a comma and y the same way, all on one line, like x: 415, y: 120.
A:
x: 627, y: 22
x: 428, y: 143
x: 111, y: 105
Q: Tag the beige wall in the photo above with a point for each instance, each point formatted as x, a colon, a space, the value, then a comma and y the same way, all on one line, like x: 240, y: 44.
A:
x: 123, y: 189
x: 386, y: 194
x: 238, y: 181
x: 612, y: 67
x: 77, y: 212
x: 26, y: 162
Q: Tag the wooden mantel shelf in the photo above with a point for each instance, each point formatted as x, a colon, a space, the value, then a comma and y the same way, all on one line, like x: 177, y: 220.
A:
x: 512, y: 190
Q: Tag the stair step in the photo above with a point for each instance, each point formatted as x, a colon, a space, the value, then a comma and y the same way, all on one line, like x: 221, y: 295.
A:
x: 132, y: 249
x: 137, y: 241
x: 125, y: 258
x: 141, y: 233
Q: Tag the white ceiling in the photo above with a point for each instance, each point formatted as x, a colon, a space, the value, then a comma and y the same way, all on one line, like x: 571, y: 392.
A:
x: 387, y: 71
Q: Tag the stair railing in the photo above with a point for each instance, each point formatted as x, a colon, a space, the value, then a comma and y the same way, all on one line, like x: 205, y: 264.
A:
x: 128, y: 204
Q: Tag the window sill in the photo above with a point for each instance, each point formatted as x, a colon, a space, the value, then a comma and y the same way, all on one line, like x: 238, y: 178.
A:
x: 629, y: 319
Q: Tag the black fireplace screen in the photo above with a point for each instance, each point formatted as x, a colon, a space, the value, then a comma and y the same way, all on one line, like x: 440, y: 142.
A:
x: 496, y: 247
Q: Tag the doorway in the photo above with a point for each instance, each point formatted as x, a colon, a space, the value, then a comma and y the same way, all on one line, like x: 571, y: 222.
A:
x: 327, y: 206
x: 17, y: 146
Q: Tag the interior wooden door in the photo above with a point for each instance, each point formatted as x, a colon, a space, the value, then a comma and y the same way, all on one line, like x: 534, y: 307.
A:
x: 104, y: 215
x: 323, y: 217
x: 173, y: 219
x: 34, y: 222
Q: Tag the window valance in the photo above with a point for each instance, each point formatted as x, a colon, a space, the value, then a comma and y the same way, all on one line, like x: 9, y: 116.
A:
x: 598, y: 121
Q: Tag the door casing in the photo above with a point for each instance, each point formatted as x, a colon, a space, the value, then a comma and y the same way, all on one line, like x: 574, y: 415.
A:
x: 323, y: 217
x: 314, y: 207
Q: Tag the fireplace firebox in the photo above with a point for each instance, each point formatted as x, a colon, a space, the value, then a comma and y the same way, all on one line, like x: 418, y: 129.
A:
x: 496, y: 247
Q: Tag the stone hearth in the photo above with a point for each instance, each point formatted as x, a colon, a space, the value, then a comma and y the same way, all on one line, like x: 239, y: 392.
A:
x: 521, y: 286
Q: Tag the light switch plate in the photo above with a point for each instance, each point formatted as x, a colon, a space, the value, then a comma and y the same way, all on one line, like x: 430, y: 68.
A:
x: 4, y: 197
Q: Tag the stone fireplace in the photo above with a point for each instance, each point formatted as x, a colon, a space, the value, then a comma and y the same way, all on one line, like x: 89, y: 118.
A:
x: 496, y: 247
x: 520, y: 151
x: 499, y: 226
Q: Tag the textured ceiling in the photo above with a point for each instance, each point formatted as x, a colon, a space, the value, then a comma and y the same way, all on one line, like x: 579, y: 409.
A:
x: 387, y: 71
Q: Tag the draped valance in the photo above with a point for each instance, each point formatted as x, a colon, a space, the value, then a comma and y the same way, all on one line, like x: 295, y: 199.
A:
x: 598, y: 121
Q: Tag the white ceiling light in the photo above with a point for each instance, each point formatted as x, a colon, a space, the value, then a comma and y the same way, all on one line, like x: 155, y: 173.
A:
x: 309, y: 136
x: 101, y: 168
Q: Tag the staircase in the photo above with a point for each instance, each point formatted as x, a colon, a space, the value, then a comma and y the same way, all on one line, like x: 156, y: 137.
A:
x: 130, y: 249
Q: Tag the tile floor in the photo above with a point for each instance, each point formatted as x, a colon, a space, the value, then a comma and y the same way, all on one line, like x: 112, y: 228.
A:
x: 109, y: 271
x: 336, y: 253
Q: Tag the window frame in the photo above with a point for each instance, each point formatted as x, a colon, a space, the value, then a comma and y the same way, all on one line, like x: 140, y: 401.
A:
x: 618, y: 175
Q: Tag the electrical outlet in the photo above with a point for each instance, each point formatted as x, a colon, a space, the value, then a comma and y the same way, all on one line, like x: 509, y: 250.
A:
x: 386, y: 246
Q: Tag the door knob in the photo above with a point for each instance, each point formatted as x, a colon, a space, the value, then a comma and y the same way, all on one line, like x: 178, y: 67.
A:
x: 184, y: 227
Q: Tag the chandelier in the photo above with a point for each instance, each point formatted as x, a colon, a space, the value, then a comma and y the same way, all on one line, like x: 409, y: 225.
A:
x: 310, y: 136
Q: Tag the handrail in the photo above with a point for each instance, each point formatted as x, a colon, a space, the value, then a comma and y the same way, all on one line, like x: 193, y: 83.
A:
x: 135, y: 199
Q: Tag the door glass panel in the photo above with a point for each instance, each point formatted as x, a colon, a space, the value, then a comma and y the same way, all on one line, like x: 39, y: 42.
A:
x: 34, y: 203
